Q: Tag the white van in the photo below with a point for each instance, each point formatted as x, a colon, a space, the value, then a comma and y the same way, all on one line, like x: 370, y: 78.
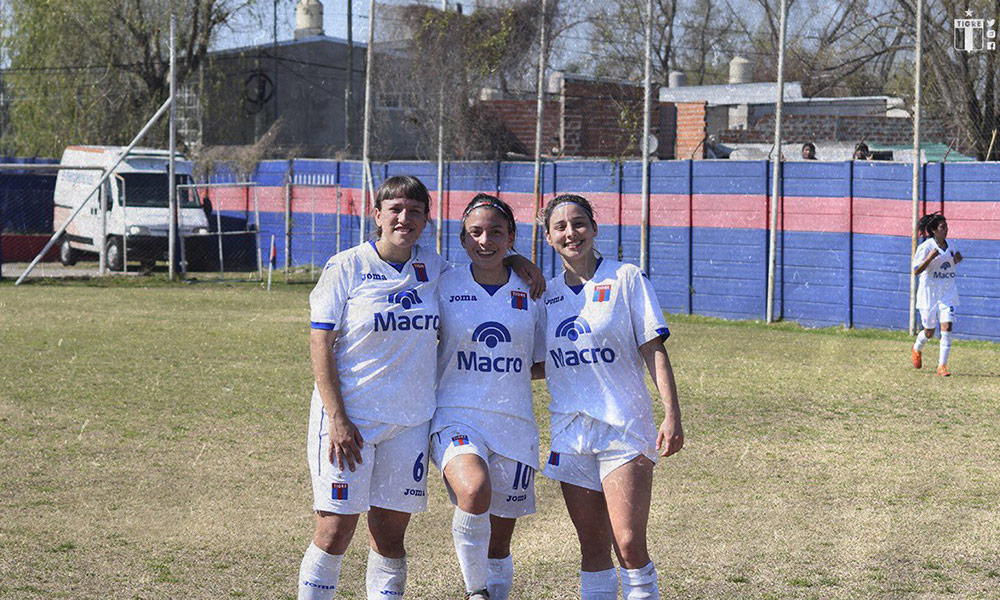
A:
x: 137, y: 206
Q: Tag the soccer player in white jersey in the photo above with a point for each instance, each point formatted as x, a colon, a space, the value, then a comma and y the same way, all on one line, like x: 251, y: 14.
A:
x: 603, y: 326
x: 375, y: 321
x: 483, y: 435
x: 934, y: 262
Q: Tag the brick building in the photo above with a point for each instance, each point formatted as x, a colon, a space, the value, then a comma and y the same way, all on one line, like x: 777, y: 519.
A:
x: 586, y: 117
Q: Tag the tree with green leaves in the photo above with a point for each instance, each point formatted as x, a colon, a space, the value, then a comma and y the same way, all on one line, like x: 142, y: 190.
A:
x: 93, y: 71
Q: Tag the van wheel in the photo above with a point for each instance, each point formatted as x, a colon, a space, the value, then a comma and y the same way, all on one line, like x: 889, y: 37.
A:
x: 115, y: 254
x: 67, y: 255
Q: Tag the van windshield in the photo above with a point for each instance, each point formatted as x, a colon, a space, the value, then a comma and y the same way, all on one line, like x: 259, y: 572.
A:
x: 150, y: 189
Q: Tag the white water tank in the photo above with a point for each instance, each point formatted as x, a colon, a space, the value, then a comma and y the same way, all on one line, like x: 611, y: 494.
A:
x: 308, y: 18
x: 740, y: 70
x: 677, y: 79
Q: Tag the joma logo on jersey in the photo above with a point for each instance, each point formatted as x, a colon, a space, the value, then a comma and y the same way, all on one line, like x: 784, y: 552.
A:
x: 462, y: 298
x: 572, y: 328
x: 554, y: 300
x: 406, y: 298
x: 373, y: 277
x: 413, y: 492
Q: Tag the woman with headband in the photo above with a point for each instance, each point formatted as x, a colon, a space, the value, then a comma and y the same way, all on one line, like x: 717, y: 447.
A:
x: 374, y: 330
x: 484, y: 438
x: 604, y: 327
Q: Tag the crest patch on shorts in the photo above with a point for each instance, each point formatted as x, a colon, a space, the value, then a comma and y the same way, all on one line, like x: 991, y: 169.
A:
x: 339, y: 491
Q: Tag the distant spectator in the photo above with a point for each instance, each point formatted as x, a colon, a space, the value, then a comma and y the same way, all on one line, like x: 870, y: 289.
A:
x: 861, y: 152
x: 808, y: 151
x: 713, y: 149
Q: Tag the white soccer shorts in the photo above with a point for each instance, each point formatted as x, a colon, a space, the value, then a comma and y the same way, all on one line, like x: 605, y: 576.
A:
x: 938, y: 313
x: 392, y: 474
x: 587, y: 450
x: 512, y: 482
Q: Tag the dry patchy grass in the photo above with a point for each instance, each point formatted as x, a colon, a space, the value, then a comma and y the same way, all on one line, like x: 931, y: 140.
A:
x: 152, y: 446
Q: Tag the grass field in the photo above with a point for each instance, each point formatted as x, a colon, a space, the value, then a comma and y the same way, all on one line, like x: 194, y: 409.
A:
x: 152, y: 445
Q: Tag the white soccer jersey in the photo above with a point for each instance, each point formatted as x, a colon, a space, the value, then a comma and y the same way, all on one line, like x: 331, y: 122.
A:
x: 485, y: 355
x: 388, y: 323
x: 937, y: 282
x: 593, y: 365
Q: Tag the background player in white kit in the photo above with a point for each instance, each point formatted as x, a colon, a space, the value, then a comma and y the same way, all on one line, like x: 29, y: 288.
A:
x: 374, y: 316
x: 484, y: 437
x: 937, y: 296
x: 602, y: 323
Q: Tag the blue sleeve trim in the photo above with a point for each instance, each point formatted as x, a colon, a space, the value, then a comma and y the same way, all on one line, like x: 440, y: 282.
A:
x: 664, y: 332
x: 324, y: 326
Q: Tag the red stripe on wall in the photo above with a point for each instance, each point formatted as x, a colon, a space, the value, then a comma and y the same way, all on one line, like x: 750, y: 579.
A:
x: 523, y: 204
x: 665, y: 210
x: 827, y: 215
x: 738, y: 211
x: 973, y: 220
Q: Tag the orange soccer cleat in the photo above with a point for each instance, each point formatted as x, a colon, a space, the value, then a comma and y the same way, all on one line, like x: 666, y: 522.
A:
x: 917, y: 361
x: 943, y: 371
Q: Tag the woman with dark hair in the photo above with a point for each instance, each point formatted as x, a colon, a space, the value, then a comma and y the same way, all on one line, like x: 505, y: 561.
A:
x: 483, y: 435
x: 604, y: 329
x: 937, y: 296
x: 373, y: 342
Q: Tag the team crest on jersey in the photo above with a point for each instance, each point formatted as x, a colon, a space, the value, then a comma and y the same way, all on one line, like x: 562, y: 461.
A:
x: 460, y: 440
x: 602, y: 293
x: 554, y: 459
x: 420, y: 271
x: 339, y: 491
x: 572, y: 328
x: 518, y: 300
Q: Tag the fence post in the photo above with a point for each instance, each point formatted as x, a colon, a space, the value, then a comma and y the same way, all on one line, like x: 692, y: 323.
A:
x: 690, y: 222
x: 218, y: 227
x: 850, y: 244
x: 288, y: 229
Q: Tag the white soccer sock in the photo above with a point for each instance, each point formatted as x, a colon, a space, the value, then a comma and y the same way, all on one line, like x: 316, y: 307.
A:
x: 945, y: 348
x: 500, y: 578
x: 640, y: 584
x: 921, y: 340
x: 599, y: 585
x: 386, y: 577
x: 318, y: 574
x: 472, y: 539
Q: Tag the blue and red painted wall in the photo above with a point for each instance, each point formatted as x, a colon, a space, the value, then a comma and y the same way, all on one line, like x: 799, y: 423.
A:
x: 843, y: 241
